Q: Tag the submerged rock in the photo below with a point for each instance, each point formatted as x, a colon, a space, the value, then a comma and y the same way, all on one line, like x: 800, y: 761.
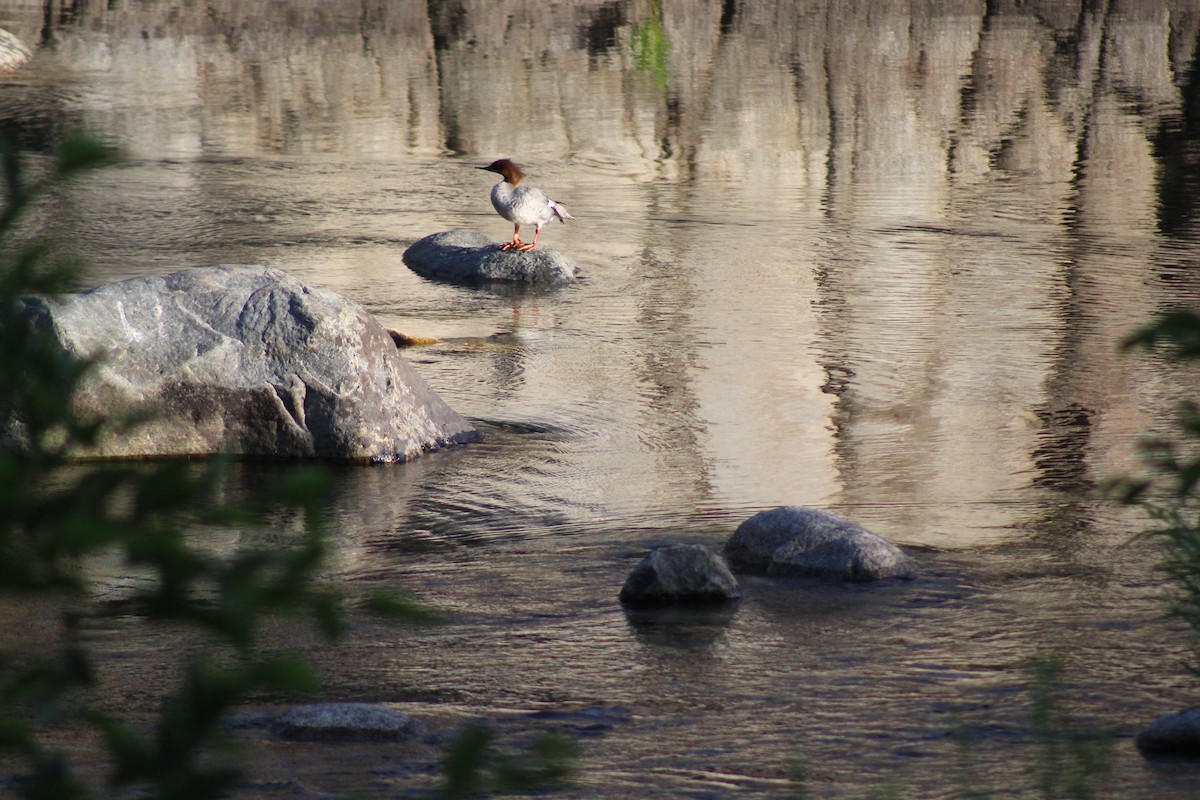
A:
x: 248, y: 361
x: 681, y: 573
x: 468, y: 257
x: 794, y: 540
x: 1173, y: 735
x: 345, y: 722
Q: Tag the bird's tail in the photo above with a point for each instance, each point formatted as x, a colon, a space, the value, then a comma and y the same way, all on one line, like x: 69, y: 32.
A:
x: 560, y: 212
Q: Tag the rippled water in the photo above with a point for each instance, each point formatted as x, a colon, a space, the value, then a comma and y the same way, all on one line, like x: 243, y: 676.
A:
x: 879, y: 266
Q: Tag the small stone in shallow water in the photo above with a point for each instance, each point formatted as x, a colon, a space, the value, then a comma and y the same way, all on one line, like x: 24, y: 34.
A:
x: 344, y: 722
x: 681, y: 573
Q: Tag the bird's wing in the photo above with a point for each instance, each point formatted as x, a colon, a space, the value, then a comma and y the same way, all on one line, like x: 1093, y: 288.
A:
x: 560, y: 211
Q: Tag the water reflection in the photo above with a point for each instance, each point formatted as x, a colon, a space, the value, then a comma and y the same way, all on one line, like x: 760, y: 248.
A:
x: 875, y: 257
x: 692, y: 630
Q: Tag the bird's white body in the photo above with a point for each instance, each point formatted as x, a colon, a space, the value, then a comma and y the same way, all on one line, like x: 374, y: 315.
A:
x: 522, y: 205
x: 526, y: 205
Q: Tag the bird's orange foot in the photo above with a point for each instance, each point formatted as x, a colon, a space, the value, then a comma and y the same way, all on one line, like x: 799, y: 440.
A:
x: 510, y: 245
x: 525, y: 248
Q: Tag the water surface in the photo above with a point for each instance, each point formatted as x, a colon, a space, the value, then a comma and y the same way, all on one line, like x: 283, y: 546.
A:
x: 876, y: 260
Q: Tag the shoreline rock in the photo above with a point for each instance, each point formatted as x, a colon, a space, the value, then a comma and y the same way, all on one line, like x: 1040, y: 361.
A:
x: 246, y: 361
x: 473, y: 259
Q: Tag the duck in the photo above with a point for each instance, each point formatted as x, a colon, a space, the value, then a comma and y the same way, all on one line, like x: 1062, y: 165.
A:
x: 522, y: 205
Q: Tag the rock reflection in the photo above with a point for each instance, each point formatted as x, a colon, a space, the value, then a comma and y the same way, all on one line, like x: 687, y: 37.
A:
x: 692, y: 629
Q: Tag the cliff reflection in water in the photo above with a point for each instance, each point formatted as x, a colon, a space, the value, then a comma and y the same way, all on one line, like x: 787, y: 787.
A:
x: 874, y: 256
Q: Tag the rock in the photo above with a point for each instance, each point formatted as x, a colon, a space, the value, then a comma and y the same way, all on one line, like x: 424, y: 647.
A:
x: 13, y: 52
x: 403, y: 340
x: 345, y: 722
x: 1176, y: 735
x: 583, y: 722
x: 794, y: 540
x: 467, y: 257
x: 248, y: 361
x: 681, y: 573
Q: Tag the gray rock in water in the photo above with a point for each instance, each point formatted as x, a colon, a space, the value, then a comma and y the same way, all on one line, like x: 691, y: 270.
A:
x: 467, y: 257
x: 246, y: 361
x: 1174, y: 735
x: 681, y: 573
x: 345, y: 722
x: 794, y: 540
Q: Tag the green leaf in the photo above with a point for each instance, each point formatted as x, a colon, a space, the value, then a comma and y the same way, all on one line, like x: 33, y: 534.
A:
x: 400, y: 608
x: 79, y: 152
x: 465, y: 762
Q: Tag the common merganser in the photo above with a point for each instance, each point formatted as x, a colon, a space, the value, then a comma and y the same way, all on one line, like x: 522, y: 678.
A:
x: 522, y: 205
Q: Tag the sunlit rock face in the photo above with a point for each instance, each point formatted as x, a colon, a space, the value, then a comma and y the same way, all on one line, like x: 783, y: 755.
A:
x: 680, y: 574
x: 467, y: 257
x: 793, y: 540
x: 248, y: 361
x: 13, y: 52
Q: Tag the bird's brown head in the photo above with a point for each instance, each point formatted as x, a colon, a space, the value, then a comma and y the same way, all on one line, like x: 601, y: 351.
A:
x: 511, y: 172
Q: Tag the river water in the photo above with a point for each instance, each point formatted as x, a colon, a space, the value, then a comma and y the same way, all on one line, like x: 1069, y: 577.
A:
x: 871, y: 257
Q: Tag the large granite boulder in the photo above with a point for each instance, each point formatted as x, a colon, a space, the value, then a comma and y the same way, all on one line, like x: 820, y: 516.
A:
x: 681, y: 573
x: 794, y: 540
x: 13, y: 52
x: 248, y: 361
x: 1175, y: 735
x: 468, y: 257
